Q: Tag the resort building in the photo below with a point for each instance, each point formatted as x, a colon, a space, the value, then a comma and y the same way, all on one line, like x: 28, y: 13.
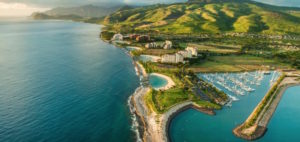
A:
x: 168, y: 58
x: 172, y: 58
x: 151, y: 45
x: 179, y: 58
x: 168, y: 45
x: 117, y: 37
x: 186, y: 53
x: 143, y: 38
x: 133, y: 36
x: 193, y: 50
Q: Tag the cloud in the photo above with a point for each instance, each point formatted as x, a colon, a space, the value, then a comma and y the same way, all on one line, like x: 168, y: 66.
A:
x: 17, y: 9
x: 56, y: 3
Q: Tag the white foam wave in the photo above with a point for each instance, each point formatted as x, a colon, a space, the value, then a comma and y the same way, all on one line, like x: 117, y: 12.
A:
x: 135, y: 124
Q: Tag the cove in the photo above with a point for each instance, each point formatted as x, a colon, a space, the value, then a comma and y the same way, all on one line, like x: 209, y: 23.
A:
x: 59, y: 82
x: 157, y: 81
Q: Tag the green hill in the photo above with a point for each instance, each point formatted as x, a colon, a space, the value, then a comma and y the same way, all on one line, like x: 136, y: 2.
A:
x: 207, y: 16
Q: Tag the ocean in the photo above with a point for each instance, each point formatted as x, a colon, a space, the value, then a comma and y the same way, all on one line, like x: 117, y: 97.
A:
x: 59, y: 82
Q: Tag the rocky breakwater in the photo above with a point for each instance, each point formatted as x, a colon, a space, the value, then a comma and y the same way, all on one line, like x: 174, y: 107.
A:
x: 256, y: 124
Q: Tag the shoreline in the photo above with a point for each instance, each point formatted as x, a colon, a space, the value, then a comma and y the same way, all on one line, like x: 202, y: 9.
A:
x: 182, y: 109
x: 259, y: 129
x: 143, y: 132
x: 153, y: 126
x: 150, y: 125
x: 170, y: 82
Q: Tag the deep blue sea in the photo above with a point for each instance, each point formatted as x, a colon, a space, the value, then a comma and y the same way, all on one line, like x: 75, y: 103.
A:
x: 60, y: 83
x: 194, y: 126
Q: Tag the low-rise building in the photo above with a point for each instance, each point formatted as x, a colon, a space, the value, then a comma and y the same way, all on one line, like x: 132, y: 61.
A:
x: 143, y: 38
x: 193, y: 50
x: 186, y: 53
x: 117, y: 37
x: 168, y: 45
x: 179, y: 58
x: 168, y: 58
x: 133, y: 36
x: 172, y: 58
x: 151, y: 45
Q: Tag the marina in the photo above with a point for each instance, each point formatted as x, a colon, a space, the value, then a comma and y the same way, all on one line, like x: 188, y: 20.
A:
x: 192, y: 125
x: 238, y: 83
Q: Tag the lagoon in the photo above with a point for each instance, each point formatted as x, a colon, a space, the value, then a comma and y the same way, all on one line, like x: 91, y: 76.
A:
x: 157, y: 81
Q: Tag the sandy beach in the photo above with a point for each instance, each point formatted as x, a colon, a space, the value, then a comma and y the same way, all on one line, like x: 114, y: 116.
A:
x: 170, y: 82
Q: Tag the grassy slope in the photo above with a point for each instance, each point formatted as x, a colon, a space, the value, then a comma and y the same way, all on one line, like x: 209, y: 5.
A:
x: 235, y: 63
x: 183, y: 18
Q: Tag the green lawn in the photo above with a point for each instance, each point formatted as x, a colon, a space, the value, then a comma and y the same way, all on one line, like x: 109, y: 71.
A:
x: 235, y: 63
x: 217, y: 48
x: 158, y: 52
x: 161, y: 102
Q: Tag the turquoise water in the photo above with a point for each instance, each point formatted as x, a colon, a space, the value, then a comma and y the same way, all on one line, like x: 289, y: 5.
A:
x: 157, y: 82
x: 285, y: 123
x: 59, y: 82
x: 193, y: 126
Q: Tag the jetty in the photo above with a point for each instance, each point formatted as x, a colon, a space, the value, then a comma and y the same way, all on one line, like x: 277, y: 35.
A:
x: 256, y: 124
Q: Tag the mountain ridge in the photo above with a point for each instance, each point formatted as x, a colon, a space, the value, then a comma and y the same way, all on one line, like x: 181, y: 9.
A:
x: 207, y: 16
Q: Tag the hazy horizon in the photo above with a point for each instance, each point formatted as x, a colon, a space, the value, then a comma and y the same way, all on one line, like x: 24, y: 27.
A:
x: 13, y: 8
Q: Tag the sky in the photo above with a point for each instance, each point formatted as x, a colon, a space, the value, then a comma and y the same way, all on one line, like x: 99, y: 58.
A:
x: 18, y: 9
x: 26, y: 7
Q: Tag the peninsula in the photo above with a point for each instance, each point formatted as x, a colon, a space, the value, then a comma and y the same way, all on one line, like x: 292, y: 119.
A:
x: 169, y: 45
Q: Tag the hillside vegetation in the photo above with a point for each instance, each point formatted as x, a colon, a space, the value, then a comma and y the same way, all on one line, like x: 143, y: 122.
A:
x: 207, y: 16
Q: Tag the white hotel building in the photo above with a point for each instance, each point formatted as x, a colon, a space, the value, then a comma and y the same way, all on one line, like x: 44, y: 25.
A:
x: 172, y: 58
x: 178, y: 57
x: 193, y: 50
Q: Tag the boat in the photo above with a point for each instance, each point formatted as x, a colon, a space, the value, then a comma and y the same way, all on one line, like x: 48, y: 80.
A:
x: 267, y: 72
